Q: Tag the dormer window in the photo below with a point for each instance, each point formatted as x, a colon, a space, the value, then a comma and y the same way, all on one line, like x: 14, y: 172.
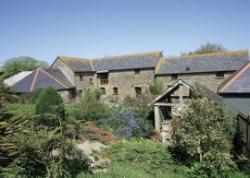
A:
x: 103, y: 78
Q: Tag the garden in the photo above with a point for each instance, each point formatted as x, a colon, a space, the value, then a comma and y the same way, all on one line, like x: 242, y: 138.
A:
x: 42, y: 137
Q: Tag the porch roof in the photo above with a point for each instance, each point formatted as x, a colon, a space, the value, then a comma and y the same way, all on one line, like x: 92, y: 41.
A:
x: 192, y: 85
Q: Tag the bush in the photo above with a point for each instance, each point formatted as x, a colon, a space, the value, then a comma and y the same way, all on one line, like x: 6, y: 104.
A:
x: 125, y: 124
x: 29, y: 98
x: 140, y: 105
x: 49, y: 101
x: 157, y: 88
x: 204, y: 133
x: 6, y: 95
x: 91, y: 108
x: 37, y: 157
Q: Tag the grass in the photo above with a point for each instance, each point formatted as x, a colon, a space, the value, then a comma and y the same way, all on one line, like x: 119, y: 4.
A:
x: 125, y: 170
x: 22, y: 110
x: 140, y: 158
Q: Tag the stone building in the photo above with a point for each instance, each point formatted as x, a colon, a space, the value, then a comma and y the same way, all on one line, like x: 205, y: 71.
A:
x: 131, y: 75
x: 116, y: 76
x: 208, y: 69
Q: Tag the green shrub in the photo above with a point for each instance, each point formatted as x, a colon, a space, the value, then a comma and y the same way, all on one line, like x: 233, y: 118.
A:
x: 20, y: 110
x: 157, y: 88
x: 203, y: 133
x: 35, y: 157
x: 29, y: 98
x: 140, y: 105
x: 6, y: 95
x: 91, y: 108
x: 49, y: 101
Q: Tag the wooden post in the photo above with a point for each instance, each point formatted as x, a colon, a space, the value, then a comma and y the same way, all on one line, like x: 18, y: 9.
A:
x: 181, y: 95
x: 157, y: 118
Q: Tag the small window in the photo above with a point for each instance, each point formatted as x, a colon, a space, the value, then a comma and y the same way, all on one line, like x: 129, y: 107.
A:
x: 115, y: 91
x: 138, y: 91
x: 174, y: 77
x: 91, y: 81
x: 137, y: 71
x: 81, y: 77
x: 220, y: 75
x: 187, y: 68
x: 103, y: 91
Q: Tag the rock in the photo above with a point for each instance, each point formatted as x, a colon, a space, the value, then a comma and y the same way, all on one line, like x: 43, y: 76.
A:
x: 88, y: 147
x: 101, y: 165
x: 55, y: 152
x: 98, y: 164
x: 97, y: 146
x: 85, y: 147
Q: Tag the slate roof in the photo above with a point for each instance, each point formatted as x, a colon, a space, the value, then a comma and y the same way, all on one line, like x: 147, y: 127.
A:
x: 15, y: 78
x: 124, y: 62
x: 133, y: 61
x: 213, y: 62
x: 238, y: 82
x: 40, y: 79
x: 77, y: 64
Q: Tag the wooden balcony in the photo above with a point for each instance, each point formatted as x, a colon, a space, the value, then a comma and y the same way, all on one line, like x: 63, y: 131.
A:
x: 104, y: 81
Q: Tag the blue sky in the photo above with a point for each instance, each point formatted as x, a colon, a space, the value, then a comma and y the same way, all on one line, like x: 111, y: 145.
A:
x: 45, y: 29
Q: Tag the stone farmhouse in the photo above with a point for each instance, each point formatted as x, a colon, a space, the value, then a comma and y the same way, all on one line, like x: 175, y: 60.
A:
x: 131, y: 75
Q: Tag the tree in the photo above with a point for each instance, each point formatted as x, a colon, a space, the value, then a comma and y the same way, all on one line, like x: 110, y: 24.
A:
x: 19, y: 64
x: 49, y: 108
x: 203, y: 133
x: 157, y: 88
x: 207, y: 48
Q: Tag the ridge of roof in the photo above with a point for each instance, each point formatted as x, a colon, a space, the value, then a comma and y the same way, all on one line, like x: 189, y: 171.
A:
x: 34, y: 79
x: 71, y: 58
x: 140, y: 54
x: 224, y: 53
x: 46, y: 73
x: 54, y: 78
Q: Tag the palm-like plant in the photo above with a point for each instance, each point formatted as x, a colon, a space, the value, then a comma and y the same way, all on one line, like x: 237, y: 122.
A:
x: 10, y: 125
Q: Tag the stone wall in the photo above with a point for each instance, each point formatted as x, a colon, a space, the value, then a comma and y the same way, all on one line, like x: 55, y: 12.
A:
x: 126, y: 81
x: 67, y: 95
x: 69, y: 74
x: 86, y: 82
x: 207, y: 79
